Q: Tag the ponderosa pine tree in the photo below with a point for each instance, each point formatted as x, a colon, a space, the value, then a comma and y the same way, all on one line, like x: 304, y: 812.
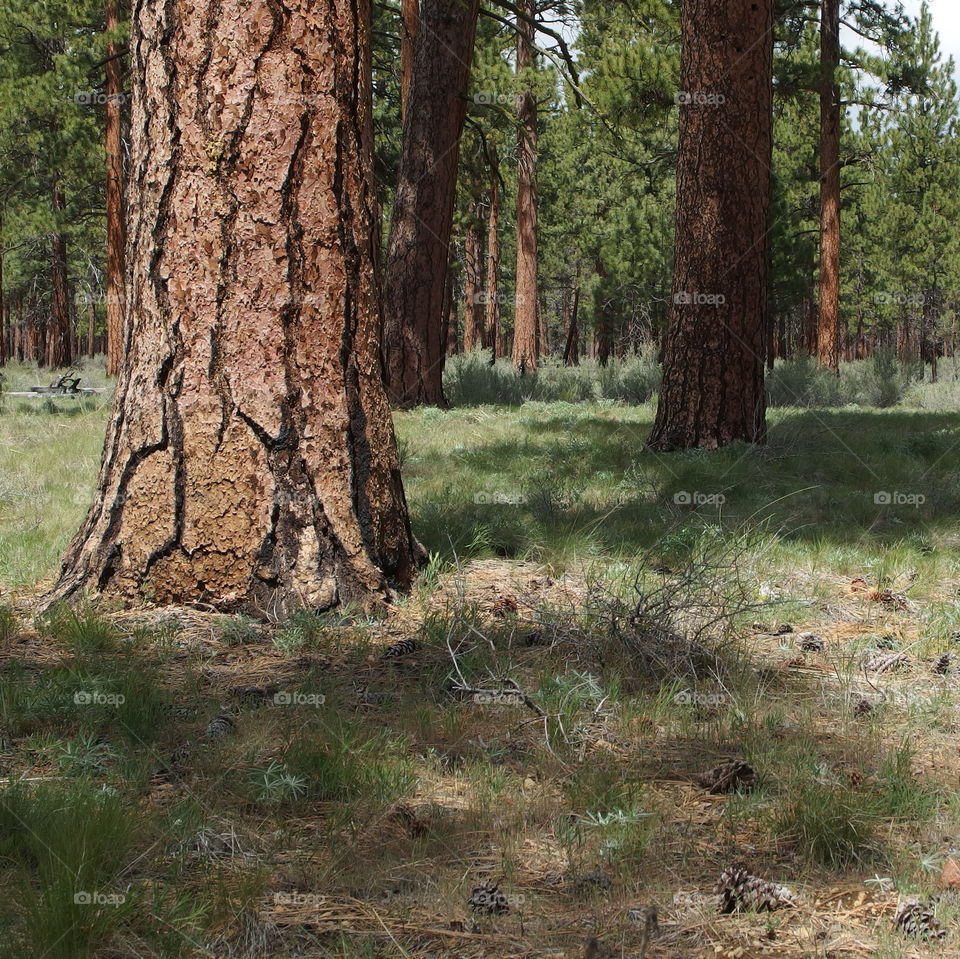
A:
x: 828, y: 327
x: 713, y: 391
x: 526, y: 326
x: 250, y: 462
x: 116, y: 214
x: 415, y: 315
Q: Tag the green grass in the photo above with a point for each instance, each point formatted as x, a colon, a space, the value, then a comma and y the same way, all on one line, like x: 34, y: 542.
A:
x: 429, y: 791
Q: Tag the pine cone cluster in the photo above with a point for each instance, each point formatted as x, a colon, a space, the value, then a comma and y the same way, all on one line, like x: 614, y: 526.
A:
x: 740, y: 891
x: 917, y: 920
x: 734, y: 775
x: 488, y: 900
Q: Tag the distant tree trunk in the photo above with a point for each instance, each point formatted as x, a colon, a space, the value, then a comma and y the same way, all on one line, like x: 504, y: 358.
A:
x: 473, y: 300
x: 91, y: 328
x: 571, y: 351
x: 492, y: 319
x: 250, y: 462
x: 59, y: 351
x: 526, y: 330
x: 4, y: 347
x: 414, y: 332
x: 713, y: 390
x: 828, y: 332
x: 410, y: 19
x: 116, y: 215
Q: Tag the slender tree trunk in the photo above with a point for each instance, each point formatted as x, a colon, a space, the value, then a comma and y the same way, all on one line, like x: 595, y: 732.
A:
x: 250, y: 462
x: 828, y: 331
x: 492, y: 318
x: 91, y: 327
x: 409, y: 21
x: 713, y: 390
x: 414, y: 335
x: 59, y: 351
x: 4, y: 346
x: 526, y: 329
x: 473, y: 300
x: 116, y: 214
x: 571, y: 351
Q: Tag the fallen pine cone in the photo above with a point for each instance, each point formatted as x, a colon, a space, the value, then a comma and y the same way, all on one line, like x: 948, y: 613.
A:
x: 740, y: 891
x: 488, y: 900
x: 810, y: 643
x: 505, y: 606
x: 885, y: 662
x: 888, y: 598
x: 942, y: 666
x: 916, y: 919
x: 734, y: 775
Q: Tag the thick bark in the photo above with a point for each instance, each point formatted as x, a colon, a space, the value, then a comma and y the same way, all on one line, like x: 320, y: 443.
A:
x: 409, y: 21
x: 492, y: 318
x: 250, y: 462
x: 414, y: 331
x: 473, y: 299
x: 116, y: 215
x: 526, y: 329
x: 828, y: 329
x: 59, y: 352
x: 713, y: 390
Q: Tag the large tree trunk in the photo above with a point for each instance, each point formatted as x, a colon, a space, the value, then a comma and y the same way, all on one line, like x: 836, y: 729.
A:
x: 492, y: 319
x: 713, y: 390
x: 116, y: 215
x: 414, y: 332
x: 828, y: 330
x: 409, y: 22
x: 59, y: 351
x: 250, y: 462
x: 526, y: 329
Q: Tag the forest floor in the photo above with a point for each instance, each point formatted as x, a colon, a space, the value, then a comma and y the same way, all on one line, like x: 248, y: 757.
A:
x: 597, y: 628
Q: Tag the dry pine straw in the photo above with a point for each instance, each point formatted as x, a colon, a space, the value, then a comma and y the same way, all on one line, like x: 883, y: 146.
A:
x: 837, y: 921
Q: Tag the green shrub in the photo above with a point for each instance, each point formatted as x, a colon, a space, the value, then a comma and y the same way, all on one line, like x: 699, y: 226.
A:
x: 82, y: 631
x: 634, y: 379
x: 70, y: 846
x: 830, y: 824
x: 8, y: 623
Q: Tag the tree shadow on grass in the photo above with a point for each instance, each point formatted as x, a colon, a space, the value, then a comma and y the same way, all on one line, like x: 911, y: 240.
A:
x: 865, y: 478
